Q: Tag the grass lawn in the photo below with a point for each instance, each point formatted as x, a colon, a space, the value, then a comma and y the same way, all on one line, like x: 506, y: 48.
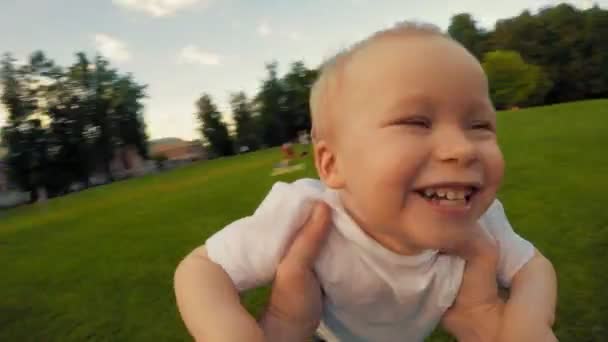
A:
x: 98, y: 265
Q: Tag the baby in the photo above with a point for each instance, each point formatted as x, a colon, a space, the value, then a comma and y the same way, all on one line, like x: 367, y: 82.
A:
x: 406, y: 150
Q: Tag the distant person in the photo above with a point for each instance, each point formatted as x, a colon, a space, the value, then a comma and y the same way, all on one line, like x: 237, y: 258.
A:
x: 405, y: 146
x: 303, y: 138
x: 288, y: 151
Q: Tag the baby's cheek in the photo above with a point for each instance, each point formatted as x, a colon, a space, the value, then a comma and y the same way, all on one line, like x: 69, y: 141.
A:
x: 494, y: 164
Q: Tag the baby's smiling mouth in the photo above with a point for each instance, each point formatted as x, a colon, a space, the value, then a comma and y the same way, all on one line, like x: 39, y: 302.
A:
x: 449, y: 194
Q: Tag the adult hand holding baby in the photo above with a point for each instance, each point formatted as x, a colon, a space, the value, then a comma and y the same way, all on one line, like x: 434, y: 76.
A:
x: 210, y: 305
x: 295, y: 305
x: 294, y: 309
x: 477, y: 310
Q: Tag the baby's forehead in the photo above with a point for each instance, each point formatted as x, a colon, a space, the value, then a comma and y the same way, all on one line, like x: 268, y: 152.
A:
x: 401, y: 63
x: 330, y: 90
x: 404, y: 52
x: 371, y: 58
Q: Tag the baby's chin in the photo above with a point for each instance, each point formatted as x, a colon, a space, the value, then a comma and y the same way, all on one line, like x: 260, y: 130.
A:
x: 438, y: 235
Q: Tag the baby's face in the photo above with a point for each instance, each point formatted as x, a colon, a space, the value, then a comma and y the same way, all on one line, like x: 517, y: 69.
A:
x: 416, y: 142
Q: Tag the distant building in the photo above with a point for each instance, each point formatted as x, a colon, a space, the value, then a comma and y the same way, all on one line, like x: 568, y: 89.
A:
x: 127, y: 162
x: 178, y: 150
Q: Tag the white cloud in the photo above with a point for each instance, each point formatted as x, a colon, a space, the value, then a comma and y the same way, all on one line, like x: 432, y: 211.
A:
x: 264, y: 29
x: 158, y: 8
x: 192, y: 54
x: 112, y: 48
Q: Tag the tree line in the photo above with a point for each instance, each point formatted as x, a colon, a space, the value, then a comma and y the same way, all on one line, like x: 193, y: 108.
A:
x: 276, y: 114
x: 66, y: 123
x: 557, y: 55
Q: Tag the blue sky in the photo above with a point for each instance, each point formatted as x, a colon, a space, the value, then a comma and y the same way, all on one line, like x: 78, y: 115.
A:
x: 182, y: 48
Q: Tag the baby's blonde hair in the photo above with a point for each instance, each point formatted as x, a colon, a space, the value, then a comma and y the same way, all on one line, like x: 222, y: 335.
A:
x: 331, y: 71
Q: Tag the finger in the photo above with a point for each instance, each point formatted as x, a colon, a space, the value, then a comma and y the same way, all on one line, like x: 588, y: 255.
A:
x: 479, y: 284
x: 308, y: 242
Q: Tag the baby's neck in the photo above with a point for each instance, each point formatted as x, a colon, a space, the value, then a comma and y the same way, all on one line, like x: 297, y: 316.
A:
x: 393, y: 243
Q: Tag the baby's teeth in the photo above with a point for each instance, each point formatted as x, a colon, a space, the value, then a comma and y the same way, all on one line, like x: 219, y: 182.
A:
x: 452, y: 203
x: 447, y: 193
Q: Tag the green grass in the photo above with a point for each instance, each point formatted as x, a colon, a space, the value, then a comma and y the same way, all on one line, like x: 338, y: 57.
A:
x: 98, y: 265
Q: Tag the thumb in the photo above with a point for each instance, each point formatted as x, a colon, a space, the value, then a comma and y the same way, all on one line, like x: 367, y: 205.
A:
x: 309, y: 240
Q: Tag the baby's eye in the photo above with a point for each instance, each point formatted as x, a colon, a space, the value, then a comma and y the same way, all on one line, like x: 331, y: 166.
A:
x: 415, y: 121
x: 482, y: 125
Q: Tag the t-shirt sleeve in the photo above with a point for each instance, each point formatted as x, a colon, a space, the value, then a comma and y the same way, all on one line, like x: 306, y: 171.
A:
x: 250, y: 249
x: 515, y: 251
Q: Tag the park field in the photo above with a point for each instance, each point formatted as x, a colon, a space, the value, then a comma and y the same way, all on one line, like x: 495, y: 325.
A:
x: 98, y: 265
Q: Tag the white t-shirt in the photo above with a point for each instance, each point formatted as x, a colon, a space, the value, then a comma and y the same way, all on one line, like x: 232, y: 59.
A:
x: 371, y: 293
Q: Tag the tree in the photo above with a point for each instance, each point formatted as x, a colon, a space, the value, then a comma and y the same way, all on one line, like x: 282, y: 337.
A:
x: 64, y: 123
x: 512, y: 81
x: 71, y: 108
x: 247, y: 132
x: 568, y: 43
x: 270, y: 106
x: 117, y: 113
x: 25, y: 136
x: 568, y: 59
x: 296, y: 88
x: 213, y: 129
x: 463, y: 29
x: 526, y: 34
x: 596, y: 48
x: 109, y: 112
x: 282, y: 103
x: 102, y: 117
x: 13, y: 94
x: 126, y: 104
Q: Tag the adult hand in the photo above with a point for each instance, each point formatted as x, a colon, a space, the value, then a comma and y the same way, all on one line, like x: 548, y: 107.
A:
x: 294, y: 309
x: 477, y: 310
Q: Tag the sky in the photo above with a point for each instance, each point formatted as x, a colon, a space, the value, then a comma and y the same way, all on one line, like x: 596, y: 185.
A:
x: 183, y: 48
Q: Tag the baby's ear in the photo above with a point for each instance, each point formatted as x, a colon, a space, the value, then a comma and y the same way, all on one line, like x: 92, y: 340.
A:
x: 327, y: 166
